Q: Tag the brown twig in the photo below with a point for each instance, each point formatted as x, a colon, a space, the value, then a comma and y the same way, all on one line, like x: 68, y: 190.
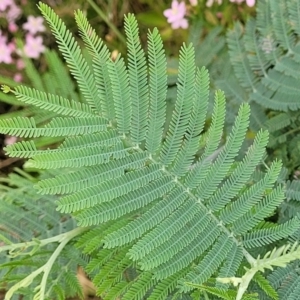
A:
x: 7, y: 162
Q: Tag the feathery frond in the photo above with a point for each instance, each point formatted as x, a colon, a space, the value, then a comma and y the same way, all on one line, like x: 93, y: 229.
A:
x: 121, y: 94
x: 181, y: 114
x: 157, y: 91
x: 52, y: 103
x: 138, y: 83
x: 153, y: 214
x: 100, y: 55
x: 27, y: 127
x: 72, y: 54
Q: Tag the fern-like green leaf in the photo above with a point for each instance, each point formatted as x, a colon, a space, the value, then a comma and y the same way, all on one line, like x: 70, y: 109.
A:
x: 158, y: 213
x: 190, y: 145
x: 109, y: 190
x: 157, y: 91
x: 148, y: 220
x: 137, y: 73
x: 200, y: 169
x: 293, y: 190
x: 91, y: 176
x: 227, y: 155
x: 52, y: 102
x: 121, y: 94
x: 27, y: 127
x: 181, y: 114
x: 24, y: 149
x: 100, y: 54
x: 241, y: 174
x: 245, y: 202
x: 261, y: 237
x: 265, y: 285
x: 72, y: 54
x: 211, y: 262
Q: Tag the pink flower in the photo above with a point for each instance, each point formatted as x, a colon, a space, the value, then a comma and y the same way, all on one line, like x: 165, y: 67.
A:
x: 12, y: 27
x: 10, y: 139
x: 175, y: 15
x: 34, y: 25
x: 34, y: 46
x: 5, y: 53
x: 18, y: 77
x: 250, y: 3
x: 193, y: 2
x: 13, y: 13
x: 4, y: 4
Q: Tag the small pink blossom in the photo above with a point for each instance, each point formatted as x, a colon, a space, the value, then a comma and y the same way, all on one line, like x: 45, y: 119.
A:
x: 250, y: 3
x: 13, y: 13
x: 34, y: 25
x: 9, y: 140
x: 18, y: 77
x: 34, y: 46
x: 12, y: 27
x: 4, y: 4
x: 5, y: 53
x: 175, y: 15
x: 194, y: 2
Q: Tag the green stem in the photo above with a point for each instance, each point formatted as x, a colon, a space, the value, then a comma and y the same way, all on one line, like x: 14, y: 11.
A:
x: 106, y: 20
x: 292, y: 131
x: 205, y: 295
x: 50, y: 262
x: 245, y: 283
x: 40, y: 243
x: 63, y: 239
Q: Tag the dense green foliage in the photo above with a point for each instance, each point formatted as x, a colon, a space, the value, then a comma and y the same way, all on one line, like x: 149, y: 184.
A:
x: 163, y: 208
x: 265, y: 60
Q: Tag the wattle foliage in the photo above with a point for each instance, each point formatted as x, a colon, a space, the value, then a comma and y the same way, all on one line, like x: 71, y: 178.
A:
x: 154, y: 210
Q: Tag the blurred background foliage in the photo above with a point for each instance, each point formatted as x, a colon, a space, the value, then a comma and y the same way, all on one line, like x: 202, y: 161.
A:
x: 107, y: 16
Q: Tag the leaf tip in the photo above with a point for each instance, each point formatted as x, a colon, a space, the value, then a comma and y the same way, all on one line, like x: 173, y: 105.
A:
x: 5, y: 88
